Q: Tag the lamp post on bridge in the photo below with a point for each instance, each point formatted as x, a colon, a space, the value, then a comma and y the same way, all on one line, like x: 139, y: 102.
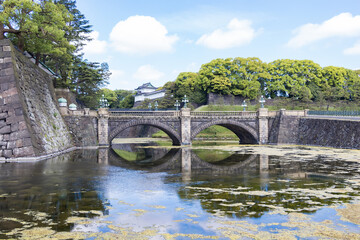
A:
x: 103, y: 102
x: 156, y: 105
x: 262, y: 101
x: 177, y: 105
x: 244, y: 105
x: 185, y: 101
x: 149, y: 106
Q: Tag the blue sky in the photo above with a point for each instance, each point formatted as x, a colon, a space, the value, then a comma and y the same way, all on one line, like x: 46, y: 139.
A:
x: 153, y: 41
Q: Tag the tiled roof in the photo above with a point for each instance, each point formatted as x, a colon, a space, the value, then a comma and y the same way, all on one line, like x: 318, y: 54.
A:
x: 146, y: 85
x: 151, y: 93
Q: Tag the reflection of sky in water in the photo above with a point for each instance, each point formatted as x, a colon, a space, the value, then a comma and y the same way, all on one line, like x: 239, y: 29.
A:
x: 203, y: 204
x: 142, y: 200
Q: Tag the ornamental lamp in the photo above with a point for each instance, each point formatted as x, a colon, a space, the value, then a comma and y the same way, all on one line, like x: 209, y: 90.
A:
x: 72, y: 107
x: 103, y: 102
x: 244, y: 105
x: 185, y: 101
x: 262, y: 101
x: 177, y: 105
x: 62, y: 102
x: 156, y: 105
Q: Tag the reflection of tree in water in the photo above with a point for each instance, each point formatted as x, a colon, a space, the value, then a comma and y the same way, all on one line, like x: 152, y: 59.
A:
x: 60, y: 187
x: 252, y: 192
x: 140, y: 157
x: 137, y: 152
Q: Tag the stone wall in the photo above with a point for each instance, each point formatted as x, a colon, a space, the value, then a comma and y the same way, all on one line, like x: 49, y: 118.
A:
x: 30, y: 122
x: 288, y: 130
x: 83, y: 130
x: 218, y: 99
x: 329, y: 133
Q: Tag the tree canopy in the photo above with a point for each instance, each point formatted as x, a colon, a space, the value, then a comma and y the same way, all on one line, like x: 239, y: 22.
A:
x: 54, y: 31
x: 250, y: 78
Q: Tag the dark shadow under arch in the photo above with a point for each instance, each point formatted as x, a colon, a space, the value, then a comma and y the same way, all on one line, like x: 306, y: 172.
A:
x: 175, y: 137
x: 246, y: 134
x: 169, y: 161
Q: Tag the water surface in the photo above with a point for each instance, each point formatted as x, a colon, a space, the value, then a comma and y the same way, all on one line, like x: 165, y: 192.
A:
x: 145, y: 191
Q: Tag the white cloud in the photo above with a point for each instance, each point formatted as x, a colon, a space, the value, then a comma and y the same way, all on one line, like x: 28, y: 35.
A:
x: 95, y: 46
x: 342, y: 25
x: 355, y: 50
x: 237, y: 33
x: 148, y: 73
x: 141, y: 35
x: 116, y: 80
x: 116, y: 73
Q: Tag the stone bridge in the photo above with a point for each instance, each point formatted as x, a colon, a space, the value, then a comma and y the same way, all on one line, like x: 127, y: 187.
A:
x: 93, y: 128
x: 183, y: 126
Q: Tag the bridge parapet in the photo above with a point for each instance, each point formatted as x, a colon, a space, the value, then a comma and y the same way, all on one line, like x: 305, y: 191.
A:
x: 236, y: 114
x: 119, y: 114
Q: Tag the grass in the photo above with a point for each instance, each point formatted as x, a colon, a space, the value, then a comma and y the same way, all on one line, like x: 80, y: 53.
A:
x: 288, y: 104
x: 130, y: 156
x: 213, y: 132
x: 212, y: 156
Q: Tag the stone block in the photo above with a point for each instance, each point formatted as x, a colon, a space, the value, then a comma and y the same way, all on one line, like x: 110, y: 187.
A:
x: 2, y: 60
x: 3, y: 115
x: 6, y: 65
x: 6, y: 137
x: 4, y: 79
x: 22, y: 125
x: 6, y: 48
x: 7, y: 71
x: 19, y: 135
x: 5, y: 54
x: 4, y: 42
x: 11, y: 145
x: 14, y: 99
x: 13, y: 119
x: 27, y: 142
x: 5, y: 129
x: 7, y: 60
x: 19, y: 143
x: 14, y: 127
x: 7, y: 153
x: 2, y: 143
x: 18, y: 112
x: 9, y: 92
x: 24, y: 152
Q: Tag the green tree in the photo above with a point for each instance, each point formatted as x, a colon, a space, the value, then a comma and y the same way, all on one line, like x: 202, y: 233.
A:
x: 36, y: 27
x: 87, y: 78
x: 78, y: 34
x: 248, y: 75
x: 127, y: 102
x: 215, y: 76
x: 187, y: 83
x: 110, y: 96
x: 292, y: 78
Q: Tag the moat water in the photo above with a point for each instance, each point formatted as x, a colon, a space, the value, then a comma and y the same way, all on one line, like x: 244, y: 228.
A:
x: 212, y: 190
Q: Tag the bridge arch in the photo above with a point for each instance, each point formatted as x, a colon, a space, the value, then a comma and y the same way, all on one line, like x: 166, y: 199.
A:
x: 245, y: 133
x: 237, y: 167
x: 168, y: 162
x: 175, y: 137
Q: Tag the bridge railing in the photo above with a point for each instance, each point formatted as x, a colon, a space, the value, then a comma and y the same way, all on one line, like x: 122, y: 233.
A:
x: 335, y: 113
x: 224, y: 113
x: 144, y: 113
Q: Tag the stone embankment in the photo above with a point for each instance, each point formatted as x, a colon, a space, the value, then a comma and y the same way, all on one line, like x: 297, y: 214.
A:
x: 30, y: 122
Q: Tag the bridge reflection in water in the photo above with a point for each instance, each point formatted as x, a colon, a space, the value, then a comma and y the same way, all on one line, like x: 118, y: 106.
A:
x: 183, y: 160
